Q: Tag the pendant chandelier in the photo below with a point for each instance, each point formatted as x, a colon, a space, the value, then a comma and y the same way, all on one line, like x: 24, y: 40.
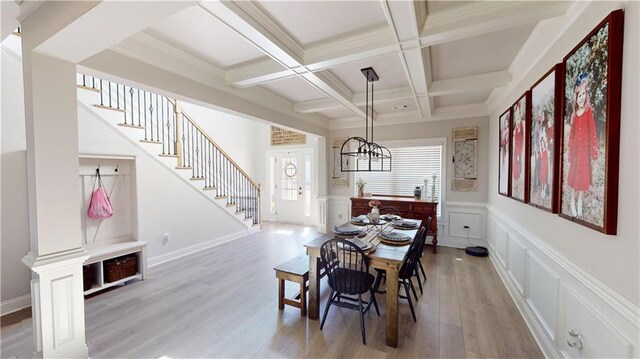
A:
x: 359, y: 154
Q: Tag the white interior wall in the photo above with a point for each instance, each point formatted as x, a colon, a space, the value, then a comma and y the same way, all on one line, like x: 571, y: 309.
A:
x: 243, y: 139
x: 15, y: 212
x: 614, y: 260
x: 420, y: 130
x: 165, y: 204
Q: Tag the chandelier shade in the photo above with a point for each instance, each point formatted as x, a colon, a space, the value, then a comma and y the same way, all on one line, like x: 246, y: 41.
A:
x: 358, y: 154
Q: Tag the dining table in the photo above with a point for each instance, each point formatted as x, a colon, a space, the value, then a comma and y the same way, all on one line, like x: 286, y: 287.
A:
x: 382, y: 256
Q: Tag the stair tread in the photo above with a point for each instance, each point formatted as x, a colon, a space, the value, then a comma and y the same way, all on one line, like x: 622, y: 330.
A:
x: 183, y: 168
x: 208, y: 188
x: 131, y: 126
x: 167, y: 155
x: 197, y: 178
x: 152, y: 141
x: 88, y: 88
x: 109, y: 108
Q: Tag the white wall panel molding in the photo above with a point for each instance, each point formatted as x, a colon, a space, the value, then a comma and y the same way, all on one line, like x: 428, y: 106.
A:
x: 58, y: 303
x: 323, y: 214
x: 555, y: 295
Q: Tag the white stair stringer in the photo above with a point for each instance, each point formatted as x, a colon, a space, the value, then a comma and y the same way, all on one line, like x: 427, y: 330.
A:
x: 86, y: 100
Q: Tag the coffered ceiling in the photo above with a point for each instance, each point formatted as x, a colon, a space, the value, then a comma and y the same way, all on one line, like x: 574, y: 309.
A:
x: 436, y: 60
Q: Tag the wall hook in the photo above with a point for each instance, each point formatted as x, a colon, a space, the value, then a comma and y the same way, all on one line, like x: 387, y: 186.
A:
x: 116, y: 169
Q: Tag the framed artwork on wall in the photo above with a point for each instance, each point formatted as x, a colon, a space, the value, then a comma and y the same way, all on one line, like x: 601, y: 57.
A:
x: 591, y: 127
x: 544, y: 137
x: 519, y: 145
x: 339, y: 179
x: 504, y: 150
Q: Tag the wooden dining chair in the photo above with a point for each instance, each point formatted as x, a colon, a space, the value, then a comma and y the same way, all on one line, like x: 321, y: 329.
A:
x: 389, y: 210
x: 407, y: 270
x: 419, y: 267
x: 347, y: 269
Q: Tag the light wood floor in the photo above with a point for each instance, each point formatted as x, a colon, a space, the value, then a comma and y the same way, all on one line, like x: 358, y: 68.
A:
x: 222, y: 303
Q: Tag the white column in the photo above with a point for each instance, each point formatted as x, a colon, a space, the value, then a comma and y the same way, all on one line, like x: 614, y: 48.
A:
x: 56, y: 254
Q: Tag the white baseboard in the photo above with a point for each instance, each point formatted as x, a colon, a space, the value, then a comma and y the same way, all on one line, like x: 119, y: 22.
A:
x: 15, y: 304
x: 167, y: 257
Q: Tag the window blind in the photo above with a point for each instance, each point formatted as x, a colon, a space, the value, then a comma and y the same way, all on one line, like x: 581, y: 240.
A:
x: 410, y: 166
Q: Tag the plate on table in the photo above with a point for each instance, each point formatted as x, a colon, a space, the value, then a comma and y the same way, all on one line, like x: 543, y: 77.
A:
x: 360, y: 220
x: 394, y: 238
x: 390, y: 217
x: 364, y: 245
x: 347, y: 230
x: 404, y: 224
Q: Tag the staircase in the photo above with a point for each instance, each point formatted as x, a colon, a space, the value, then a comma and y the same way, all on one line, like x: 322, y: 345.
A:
x: 159, y: 125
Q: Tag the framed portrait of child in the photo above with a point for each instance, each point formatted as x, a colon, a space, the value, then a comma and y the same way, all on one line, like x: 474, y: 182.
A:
x: 544, y: 137
x: 519, y: 143
x: 504, y: 147
x: 591, y: 127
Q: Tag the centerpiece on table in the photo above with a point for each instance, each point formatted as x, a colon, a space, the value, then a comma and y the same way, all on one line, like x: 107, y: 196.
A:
x: 360, y: 184
x: 375, y: 212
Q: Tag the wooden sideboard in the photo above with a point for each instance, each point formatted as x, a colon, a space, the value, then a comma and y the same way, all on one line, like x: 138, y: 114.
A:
x: 408, y: 207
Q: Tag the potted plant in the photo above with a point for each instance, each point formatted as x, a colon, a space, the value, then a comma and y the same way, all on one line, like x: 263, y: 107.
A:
x: 375, y: 212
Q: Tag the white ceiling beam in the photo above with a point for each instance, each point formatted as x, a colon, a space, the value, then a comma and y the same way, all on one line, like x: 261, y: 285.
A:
x: 98, y: 25
x: 358, y: 99
x: 464, y: 84
x: 404, y: 17
x: 364, y: 45
x: 486, y: 16
x: 457, y: 112
x: 444, y: 26
x: 250, y: 22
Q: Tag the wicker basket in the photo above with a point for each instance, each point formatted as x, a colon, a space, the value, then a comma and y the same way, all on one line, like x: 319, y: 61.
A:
x: 120, y: 268
x: 86, y: 278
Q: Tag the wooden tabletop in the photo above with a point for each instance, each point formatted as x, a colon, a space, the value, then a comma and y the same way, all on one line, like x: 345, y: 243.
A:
x: 381, y: 255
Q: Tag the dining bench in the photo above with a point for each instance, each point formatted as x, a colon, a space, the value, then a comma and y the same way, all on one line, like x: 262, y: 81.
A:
x: 295, y: 270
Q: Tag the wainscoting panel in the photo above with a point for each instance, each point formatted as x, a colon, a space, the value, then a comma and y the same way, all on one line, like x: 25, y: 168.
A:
x: 62, y: 303
x: 339, y: 211
x: 457, y: 221
x: 556, y: 297
x: 501, y: 244
x: 600, y: 339
x: 517, y: 262
x: 542, y: 294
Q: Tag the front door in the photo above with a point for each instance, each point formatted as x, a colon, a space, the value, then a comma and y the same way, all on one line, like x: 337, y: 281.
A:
x: 288, y: 187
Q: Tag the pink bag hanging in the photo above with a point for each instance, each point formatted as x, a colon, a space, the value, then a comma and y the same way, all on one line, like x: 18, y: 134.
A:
x: 100, y: 205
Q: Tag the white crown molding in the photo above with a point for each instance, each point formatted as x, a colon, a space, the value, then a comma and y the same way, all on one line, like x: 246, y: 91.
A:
x: 537, y: 45
x: 470, y: 83
x: 27, y: 7
x: 486, y: 16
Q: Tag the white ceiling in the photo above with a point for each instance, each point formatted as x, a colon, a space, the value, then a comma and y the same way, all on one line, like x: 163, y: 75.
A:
x: 198, y: 33
x: 458, y: 58
x: 389, y: 69
x: 312, y: 21
x: 294, y: 89
x: 479, y: 54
